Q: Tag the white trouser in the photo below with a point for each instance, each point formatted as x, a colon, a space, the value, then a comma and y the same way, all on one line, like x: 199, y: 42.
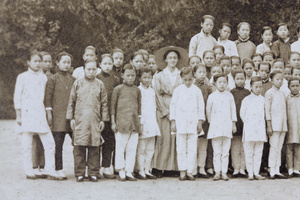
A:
x: 253, y: 154
x: 186, y: 147
x: 145, y: 151
x: 202, y: 151
x: 221, y: 146
x: 276, y: 142
x: 237, y: 153
x: 293, y: 156
x: 126, y: 145
x: 49, y: 146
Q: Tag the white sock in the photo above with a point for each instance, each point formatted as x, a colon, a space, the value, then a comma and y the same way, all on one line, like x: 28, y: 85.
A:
x: 236, y: 171
x: 291, y: 171
x: 242, y: 171
x: 142, y: 173
x: 129, y: 174
x: 122, y: 174
x: 272, y: 171
x: 202, y: 171
x: 211, y: 171
x: 296, y: 171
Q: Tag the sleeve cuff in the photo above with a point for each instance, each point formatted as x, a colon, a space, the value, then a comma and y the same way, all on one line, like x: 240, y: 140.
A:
x: 48, y: 108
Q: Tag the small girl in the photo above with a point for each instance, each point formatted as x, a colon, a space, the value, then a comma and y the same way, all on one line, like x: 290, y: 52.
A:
x: 194, y: 60
x: 254, y: 132
x: 31, y: 115
x: 267, y: 36
x: 58, y: 90
x: 145, y: 149
x: 186, y: 116
x: 268, y: 56
x: 152, y: 64
x: 248, y: 66
x: 221, y: 110
x: 235, y: 62
x: 118, y: 56
x: 275, y: 109
x: 219, y: 52
x: 209, y: 59
x: 256, y: 58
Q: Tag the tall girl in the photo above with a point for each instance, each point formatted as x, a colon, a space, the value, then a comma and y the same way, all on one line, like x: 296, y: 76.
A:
x: 276, y: 122
x: 221, y: 110
x: 58, y: 90
x: 137, y: 61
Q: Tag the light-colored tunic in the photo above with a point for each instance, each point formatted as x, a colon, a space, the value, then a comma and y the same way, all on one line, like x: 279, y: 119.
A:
x: 295, y: 46
x: 220, y: 112
x: 275, y: 105
x: 148, y: 111
x: 187, y: 108
x: 79, y: 72
x: 252, y: 113
x: 293, y: 112
x: 29, y: 97
x: 262, y: 48
x: 229, y: 46
x: 88, y: 106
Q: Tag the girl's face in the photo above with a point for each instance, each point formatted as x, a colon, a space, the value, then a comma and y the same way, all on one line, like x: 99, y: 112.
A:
x: 219, y: 53
x: 138, y: 61
x: 216, y: 70
x: 239, y: 79
x: 118, y: 59
x: 34, y: 63
x: 268, y: 58
x: 294, y: 87
x: 188, y: 79
x: 248, y: 68
x: 226, y: 65
x: 225, y: 33
x: 209, y: 59
x: 278, y: 80
x: 235, y: 63
x: 90, y: 70
x: 283, y: 32
x: 295, y: 59
x: 296, y: 73
x: 152, y: 64
x: 172, y: 59
x: 207, y: 25
x: 221, y: 84
x: 287, y: 73
x: 194, y: 61
x: 146, y: 79
x: 129, y: 76
x: 256, y: 60
x: 89, y: 54
x: 278, y: 66
x: 267, y: 36
x: 64, y: 64
x: 106, y: 65
x: 200, y: 74
x: 244, y: 31
x: 47, y: 62
x: 256, y: 87
x: 264, y: 71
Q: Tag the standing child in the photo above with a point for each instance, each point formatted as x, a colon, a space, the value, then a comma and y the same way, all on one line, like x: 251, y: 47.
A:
x: 216, y: 69
x: 137, y: 60
x: 254, y: 132
x: 221, y: 110
x: 264, y: 69
x: 269, y: 57
x: 294, y: 58
x: 256, y: 58
x: 110, y: 82
x: 209, y: 60
x: 245, y: 47
x: 31, y: 115
x: 58, y: 90
x: 186, y: 116
x: 293, y: 136
x: 194, y: 60
x: 248, y: 67
x: 267, y: 36
x: 288, y: 72
x: 296, y: 71
x: 278, y: 64
x: 87, y: 111
x: 235, y: 62
x: 282, y: 47
x: 152, y: 64
x: 47, y: 64
x: 219, y: 52
x: 203, y: 41
x: 296, y: 45
x: 118, y: 56
x: 276, y: 122
x: 146, y: 144
x: 237, y: 150
x: 225, y: 63
x: 230, y: 46
x: 125, y: 122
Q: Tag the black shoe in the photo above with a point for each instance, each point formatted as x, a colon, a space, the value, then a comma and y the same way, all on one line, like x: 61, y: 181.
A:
x: 151, y: 176
x: 130, y: 178
x: 157, y: 173
x: 109, y: 176
x: 93, y: 178
x: 295, y: 175
x: 235, y: 175
x: 242, y: 175
x: 280, y: 176
x: 203, y: 175
x: 137, y: 175
x: 79, y: 178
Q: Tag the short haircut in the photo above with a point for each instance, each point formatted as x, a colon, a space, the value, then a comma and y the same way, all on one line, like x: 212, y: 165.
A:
x: 245, y: 61
x: 217, y: 76
x: 256, y: 55
x: 34, y: 53
x: 145, y: 70
x: 128, y: 66
x: 274, y: 73
x: 266, y: 28
x: 209, y: 51
x: 255, y: 79
x: 293, y: 79
x: 219, y: 47
x: 207, y: 17
x: 166, y: 54
x: 194, y: 56
x: 225, y: 58
x: 243, y: 23
x: 91, y: 48
x: 264, y: 63
x: 135, y: 54
x: 225, y: 24
x: 116, y: 50
x: 292, y: 53
x: 238, y: 71
x: 44, y: 53
x: 279, y: 60
x: 295, y: 68
x: 89, y: 61
x: 235, y: 57
x: 269, y: 53
x: 185, y: 71
x: 199, y: 66
x: 60, y: 55
x: 282, y: 24
x: 106, y: 56
x: 217, y: 66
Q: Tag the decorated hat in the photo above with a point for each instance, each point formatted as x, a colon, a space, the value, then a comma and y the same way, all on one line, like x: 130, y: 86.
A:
x: 182, y: 60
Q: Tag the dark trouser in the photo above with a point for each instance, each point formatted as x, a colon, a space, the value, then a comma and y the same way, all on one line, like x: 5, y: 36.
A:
x: 108, y: 146
x: 265, y: 156
x: 38, y: 156
x: 209, y: 157
x: 59, y: 138
x: 92, y: 159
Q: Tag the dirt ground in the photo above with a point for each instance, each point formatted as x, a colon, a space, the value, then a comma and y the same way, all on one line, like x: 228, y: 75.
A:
x: 14, y: 185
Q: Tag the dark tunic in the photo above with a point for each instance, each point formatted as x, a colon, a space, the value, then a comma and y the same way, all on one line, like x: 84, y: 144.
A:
x: 117, y: 72
x: 266, y: 86
x: 281, y: 49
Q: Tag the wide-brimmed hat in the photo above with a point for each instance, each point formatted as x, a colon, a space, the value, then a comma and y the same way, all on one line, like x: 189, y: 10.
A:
x: 182, y: 61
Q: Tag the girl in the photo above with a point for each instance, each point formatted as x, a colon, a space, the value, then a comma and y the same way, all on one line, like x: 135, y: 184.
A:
x: 276, y: 122
x: 256, y: 58
x: 118, y: 57
x: 145, y: 149
x: 267, y: 36
x: 248, y: 66
x: 138, y: 62
x: 219, y: 52
x: 194, y: 60
x: 209, y: 59
x: 221, y: 110
x: 230, y: 46
x: 152, y: 64
x: 58, y: 90
x: 31, y: 116
x: 170, y: 60
x: 254, y: 132
x: 187, y: 116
